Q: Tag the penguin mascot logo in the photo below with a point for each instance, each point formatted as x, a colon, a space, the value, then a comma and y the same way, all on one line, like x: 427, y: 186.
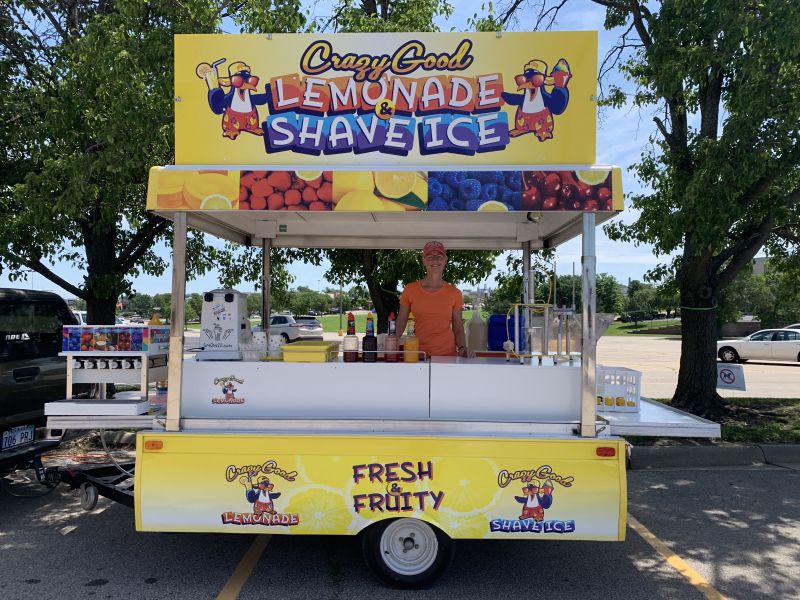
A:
x: 238, y: 105
x: 260, y: 494
x: 535, y: 503
x: 535, y: 105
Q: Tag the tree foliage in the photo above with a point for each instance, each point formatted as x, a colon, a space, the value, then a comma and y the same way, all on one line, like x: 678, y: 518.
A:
x: 722, y: 173
x: 89, y: 108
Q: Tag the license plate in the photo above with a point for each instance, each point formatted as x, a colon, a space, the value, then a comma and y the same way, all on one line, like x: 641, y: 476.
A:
x: 18, y: 436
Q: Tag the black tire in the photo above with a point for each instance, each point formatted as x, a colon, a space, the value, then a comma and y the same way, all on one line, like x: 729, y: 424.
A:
x: 285, y: 337
x: 88, y: 496
x: 728, y: 354
x: 406, y: 553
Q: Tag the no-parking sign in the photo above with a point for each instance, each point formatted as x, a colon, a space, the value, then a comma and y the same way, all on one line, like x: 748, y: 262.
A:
x: 730, y: 376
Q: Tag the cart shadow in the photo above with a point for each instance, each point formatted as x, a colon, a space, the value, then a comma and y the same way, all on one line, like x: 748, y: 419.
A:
x: 746, y: 525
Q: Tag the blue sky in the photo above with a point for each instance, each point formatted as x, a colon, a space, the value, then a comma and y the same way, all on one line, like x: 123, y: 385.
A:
x: 622, y: 135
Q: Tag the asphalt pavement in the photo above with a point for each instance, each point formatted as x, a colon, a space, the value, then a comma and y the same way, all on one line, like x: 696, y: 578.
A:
x: 739, y: 528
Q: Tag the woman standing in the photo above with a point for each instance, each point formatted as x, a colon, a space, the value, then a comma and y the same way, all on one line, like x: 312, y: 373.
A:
x: 436, y: 306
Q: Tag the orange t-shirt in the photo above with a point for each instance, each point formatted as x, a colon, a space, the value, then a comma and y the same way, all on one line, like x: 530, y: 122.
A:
x: 433, y: 316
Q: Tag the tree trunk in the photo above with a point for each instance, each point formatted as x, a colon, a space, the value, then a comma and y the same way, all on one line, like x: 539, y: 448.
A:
x: 104, y: 283
x: 384, y: 302
x: 697, y: 379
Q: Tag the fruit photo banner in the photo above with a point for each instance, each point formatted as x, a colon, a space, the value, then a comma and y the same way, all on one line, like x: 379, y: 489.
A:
x: 387, y: 98
x: 595, y: 189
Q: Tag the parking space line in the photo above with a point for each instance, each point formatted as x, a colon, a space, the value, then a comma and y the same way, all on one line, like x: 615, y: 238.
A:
x: 675, y: 561
x: 240, y: 575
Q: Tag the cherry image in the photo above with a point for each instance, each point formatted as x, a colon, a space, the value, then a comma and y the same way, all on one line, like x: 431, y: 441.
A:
x: 552, y: 184
x: 603, y: 194
x: 532, y: 199
x: 550, y: 203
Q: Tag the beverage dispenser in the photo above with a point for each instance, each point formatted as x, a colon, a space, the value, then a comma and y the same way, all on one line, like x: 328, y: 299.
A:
x: 224, y: 325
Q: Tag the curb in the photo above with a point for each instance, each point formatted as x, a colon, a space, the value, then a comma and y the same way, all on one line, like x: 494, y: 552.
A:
x: 660, y: 457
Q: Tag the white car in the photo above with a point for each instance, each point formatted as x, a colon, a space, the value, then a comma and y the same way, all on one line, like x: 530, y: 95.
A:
x: 795, y: 326
x: 295, y: 328
x: 767, y: 344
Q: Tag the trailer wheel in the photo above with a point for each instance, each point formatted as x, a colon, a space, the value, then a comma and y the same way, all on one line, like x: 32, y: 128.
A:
x: 89, y: 496
x: 406, y: 553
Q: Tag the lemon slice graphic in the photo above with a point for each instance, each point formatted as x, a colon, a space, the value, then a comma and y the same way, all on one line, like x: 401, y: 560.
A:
x: 395, y: 184
x: 350, y: 181
x: 592, y: 177
x: 493, y: 206
x: 308, y: 175
x: 216, y: 202
x: 321, y: 511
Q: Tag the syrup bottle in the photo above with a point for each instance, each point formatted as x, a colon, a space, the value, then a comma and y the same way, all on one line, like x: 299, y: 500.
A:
x: 369, y: 345
x: 411, y: 345
x: 350, y: 341
x: 392, y: 343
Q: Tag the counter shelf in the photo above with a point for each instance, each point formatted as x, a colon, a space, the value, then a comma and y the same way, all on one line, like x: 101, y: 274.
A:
x: 154, y: 367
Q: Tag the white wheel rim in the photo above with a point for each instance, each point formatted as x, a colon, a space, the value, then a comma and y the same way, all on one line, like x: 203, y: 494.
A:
x: 409, y: 546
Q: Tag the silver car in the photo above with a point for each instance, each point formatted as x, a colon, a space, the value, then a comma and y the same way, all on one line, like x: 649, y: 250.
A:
x: 295, y: 328
x: 767, y: 344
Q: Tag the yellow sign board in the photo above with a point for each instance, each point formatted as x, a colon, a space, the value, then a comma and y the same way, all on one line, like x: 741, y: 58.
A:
x: 386, y: 99
x: 339, y: 485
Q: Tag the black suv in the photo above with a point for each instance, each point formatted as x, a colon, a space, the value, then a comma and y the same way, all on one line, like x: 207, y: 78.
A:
x: 31, y: 372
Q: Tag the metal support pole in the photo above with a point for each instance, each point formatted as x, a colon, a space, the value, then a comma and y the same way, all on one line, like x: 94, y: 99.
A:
x: 266, y: 246
x: 589, y: 308
x: 526, y: 297
x: 177, y: 321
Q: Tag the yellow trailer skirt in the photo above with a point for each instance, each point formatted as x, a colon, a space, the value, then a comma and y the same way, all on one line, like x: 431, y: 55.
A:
x: 469, y: 487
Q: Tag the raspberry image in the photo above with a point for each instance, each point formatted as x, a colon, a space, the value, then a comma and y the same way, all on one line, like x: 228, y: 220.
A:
x: 437, y: 175
x: 434, y: 187
x: 474, y: 204
x: 455, y: 204
x: 453, y: 178
x: 469, y: 189
x: 447, y: 192
x: 513, y: 180
x: 489, y: 191
x: 512, y: 198
x: 437, y: 203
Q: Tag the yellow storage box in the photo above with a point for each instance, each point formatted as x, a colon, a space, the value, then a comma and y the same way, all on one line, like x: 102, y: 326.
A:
x: 310, y: 351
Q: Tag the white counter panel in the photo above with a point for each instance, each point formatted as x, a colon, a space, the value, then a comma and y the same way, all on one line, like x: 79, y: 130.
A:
x: 490, y: 389
x: 279, y: 390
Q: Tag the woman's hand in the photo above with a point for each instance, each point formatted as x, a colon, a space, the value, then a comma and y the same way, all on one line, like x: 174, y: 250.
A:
x: 465, y: 352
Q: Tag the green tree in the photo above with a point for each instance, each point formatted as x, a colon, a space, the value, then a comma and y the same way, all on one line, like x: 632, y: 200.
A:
x: 609, y: 295
x: 141, y: 304
x: 89, y: 97
x: 722, y: 175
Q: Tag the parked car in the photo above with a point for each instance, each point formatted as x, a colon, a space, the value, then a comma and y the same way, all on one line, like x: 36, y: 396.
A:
x: 302, y: 327
x: 31, y: 371
x: 766, y: 344
x: 136, y: 319
x: 793, y: 326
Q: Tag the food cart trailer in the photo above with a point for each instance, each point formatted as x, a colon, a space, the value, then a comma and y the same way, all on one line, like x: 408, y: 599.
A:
x: 470, y: 139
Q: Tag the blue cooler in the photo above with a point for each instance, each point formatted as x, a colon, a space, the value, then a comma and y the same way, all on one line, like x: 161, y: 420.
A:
x: 498, y: 334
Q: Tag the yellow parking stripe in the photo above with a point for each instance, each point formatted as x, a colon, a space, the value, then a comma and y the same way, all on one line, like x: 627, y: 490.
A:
x: 675, y: 561
x: 244, y: 568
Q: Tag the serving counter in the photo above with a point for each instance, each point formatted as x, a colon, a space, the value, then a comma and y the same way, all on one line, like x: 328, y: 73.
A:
x: 467, y: 389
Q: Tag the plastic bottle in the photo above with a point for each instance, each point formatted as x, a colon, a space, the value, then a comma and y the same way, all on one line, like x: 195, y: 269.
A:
x: 411, y: 346
x: 350, y: 341
x: 477, y: 332
x: 369, y: 345
x: 392, y: 343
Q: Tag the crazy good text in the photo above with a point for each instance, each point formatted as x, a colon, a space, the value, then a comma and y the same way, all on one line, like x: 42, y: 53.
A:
x: 268, y: 467
x: 505, y: 477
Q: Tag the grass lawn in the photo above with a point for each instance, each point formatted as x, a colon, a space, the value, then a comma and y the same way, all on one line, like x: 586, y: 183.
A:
x: 620, y: 328
x: 760, y: 420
